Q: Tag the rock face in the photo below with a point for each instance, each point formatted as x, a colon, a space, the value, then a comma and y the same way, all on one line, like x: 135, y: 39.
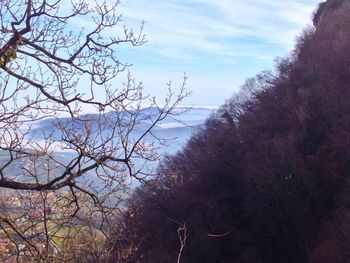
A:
x: 328, y: 7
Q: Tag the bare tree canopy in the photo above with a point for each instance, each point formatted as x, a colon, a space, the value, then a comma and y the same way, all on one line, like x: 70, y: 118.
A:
x: 51, y: 67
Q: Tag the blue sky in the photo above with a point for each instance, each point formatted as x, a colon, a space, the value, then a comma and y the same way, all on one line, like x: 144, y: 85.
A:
x: 217, y: 43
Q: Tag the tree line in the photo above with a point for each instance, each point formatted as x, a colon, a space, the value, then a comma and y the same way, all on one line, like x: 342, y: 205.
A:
x: 267, y: 178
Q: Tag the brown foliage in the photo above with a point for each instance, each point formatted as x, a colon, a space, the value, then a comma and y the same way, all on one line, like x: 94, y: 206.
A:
x: 268, y: 174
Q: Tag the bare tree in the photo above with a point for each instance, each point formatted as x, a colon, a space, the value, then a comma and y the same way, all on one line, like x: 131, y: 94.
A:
x: 46, y: 63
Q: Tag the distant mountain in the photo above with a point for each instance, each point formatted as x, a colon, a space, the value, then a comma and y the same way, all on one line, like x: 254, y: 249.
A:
x: 176, y: 128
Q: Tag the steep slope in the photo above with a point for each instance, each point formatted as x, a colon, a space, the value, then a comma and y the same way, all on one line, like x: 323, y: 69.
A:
x: 267, y: 178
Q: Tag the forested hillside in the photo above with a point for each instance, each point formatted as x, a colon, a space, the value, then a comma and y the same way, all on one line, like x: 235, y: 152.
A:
x: 267, y: 179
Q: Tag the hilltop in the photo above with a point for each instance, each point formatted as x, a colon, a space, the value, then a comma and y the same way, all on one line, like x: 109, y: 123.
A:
x: 267, y: 179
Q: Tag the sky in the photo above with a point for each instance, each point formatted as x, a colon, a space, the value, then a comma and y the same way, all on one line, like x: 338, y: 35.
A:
x: 218, y: 44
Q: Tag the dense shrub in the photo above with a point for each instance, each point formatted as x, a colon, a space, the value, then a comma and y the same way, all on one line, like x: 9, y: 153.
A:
x: 266, y: 179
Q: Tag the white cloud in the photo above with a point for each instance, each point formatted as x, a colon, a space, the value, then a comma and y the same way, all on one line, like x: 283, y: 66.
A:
x: 210, y: 40
x: 213, y: 26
